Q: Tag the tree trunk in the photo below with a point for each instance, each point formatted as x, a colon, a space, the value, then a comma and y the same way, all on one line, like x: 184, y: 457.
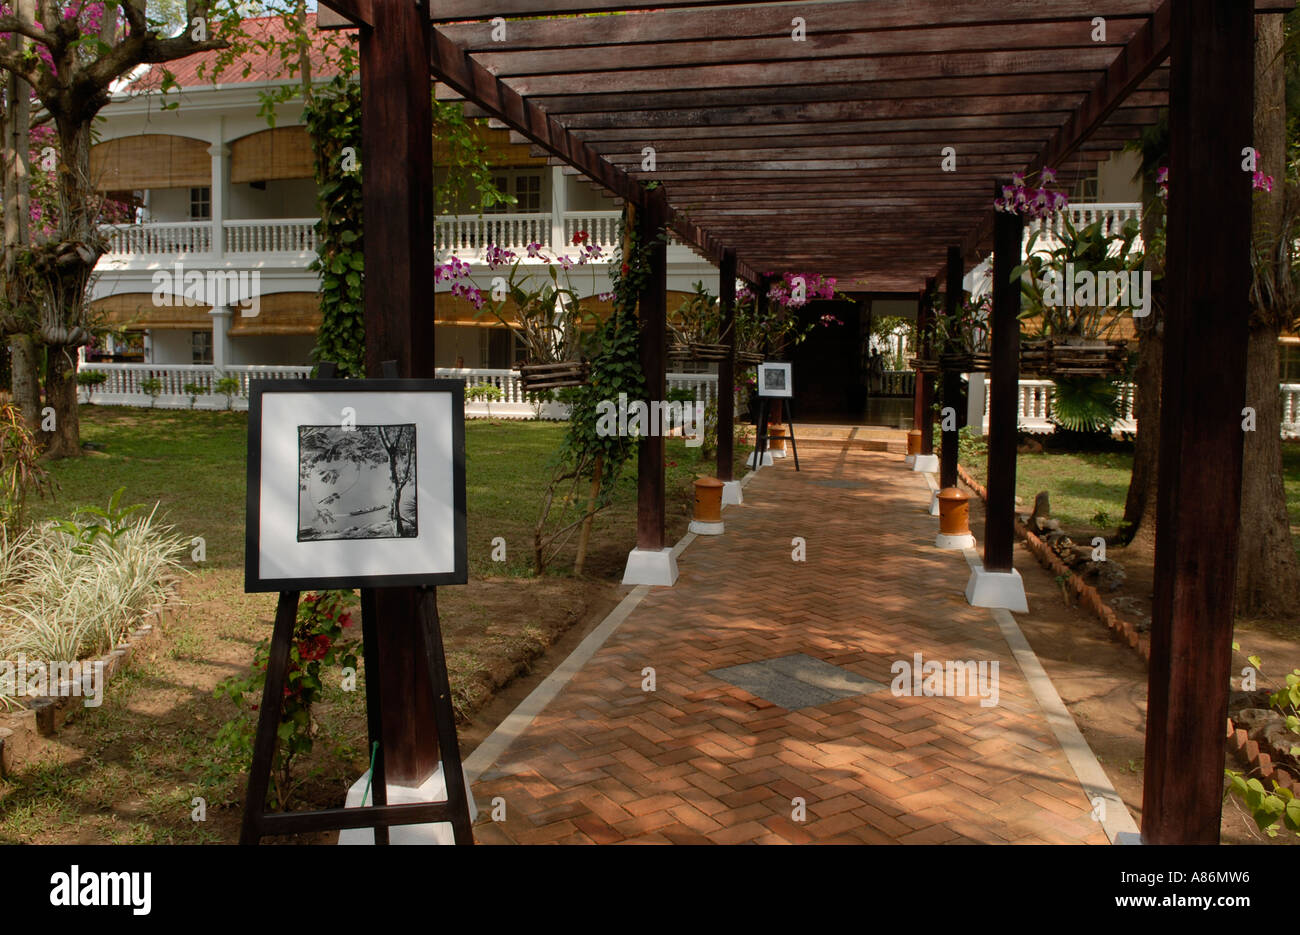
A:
x: 61, y: 395
x: 25, y: 380
x: 1139, y: 523
x: 1268, y: 575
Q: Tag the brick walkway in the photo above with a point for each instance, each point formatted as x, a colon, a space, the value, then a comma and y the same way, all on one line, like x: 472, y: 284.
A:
x: 698, y: 760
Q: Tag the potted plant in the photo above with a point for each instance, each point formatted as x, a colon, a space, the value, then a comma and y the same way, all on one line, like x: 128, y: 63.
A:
x: 547, y: 317
x: 696, y: 328
x: 962, y: 340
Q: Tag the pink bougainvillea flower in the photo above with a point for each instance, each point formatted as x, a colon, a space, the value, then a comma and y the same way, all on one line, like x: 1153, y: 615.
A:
x: 1262, y: 182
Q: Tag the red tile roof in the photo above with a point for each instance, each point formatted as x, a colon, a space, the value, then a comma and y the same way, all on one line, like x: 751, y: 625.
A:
x: 258, y: 65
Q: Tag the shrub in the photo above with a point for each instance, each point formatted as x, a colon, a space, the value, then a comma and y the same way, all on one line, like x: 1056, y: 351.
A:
x: 194, y: 391
x: 20, y: 469
x: 1279, y: 807
x: 228, y: 387
x: 153, y: 387
x: 75, y: 588
x: 323, y: 637
x: 484, y: 391
x: 91, y: 379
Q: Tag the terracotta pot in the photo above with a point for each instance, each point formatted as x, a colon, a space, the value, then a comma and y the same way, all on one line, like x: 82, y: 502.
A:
x: 708, y: 500
x: 954, y: 512
x: 914, y: 442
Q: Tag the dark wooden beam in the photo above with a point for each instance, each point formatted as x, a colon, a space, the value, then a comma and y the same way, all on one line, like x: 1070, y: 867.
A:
x: 397, y: 200
x: 925, y: 327
x: 653, y: 313
x: 1004, y: 389
x: 727, y: 367
x: 1208, y: 277
x: 951, y: 379
x: 344, y: 14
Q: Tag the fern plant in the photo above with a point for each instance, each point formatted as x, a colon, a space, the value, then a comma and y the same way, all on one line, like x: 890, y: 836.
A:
x: 1085, y: 404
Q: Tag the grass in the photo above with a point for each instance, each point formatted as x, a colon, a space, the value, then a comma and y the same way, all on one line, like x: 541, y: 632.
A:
x: 194, y: 465
x: 1088, y: 489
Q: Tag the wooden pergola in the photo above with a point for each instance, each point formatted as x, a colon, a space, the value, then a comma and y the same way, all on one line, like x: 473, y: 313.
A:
x: 790, y: 136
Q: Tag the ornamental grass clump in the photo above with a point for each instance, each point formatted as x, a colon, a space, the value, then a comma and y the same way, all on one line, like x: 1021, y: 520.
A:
x: 74, y: 589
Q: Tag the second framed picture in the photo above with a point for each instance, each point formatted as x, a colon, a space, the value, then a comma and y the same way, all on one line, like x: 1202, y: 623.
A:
x: 355, y: 483
x: 775, y: 379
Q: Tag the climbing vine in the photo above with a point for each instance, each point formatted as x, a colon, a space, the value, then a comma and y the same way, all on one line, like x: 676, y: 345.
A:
x: 586, y: 454
x: 333, y: 118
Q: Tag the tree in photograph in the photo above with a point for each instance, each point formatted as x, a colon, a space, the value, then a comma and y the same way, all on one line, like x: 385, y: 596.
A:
x: 399, y: 447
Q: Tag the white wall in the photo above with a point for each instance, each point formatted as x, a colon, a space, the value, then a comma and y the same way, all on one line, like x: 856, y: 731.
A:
x: 169, y: 204
x: 170, y: 346
x: 287, y: 349
x: 283, y: 198
x: 1115, y: 179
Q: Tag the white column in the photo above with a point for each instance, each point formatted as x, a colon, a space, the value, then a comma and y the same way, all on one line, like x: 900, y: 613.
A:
x: 221, y: 350
x: 220, y: 187
x: 975, y: 403
x: 559, y: 204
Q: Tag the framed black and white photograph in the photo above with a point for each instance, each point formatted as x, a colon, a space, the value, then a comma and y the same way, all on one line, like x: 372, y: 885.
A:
x: 775, y: 380
x: 355, y: 484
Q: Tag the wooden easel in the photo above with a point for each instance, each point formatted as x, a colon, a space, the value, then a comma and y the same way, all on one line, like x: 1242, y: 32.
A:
x: 380, y: 816
x: 761, y: 435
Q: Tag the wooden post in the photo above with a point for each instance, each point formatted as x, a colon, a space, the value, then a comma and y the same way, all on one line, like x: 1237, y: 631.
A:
x: 999, y: 513
x: 1206, y: 331
x: 652, y: 306
x: 397, y: 159
x: 925, y: 381
x: 951, y: 379
x: 727, y: 367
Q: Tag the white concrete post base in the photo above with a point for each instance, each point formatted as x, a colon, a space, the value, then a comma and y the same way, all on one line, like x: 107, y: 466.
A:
x: 934, y: 502
x: 753, y: 455
x: 655, y: 567
x: 731, y: 494
x: 926, y: 463
x: 996, y: 589
x: 776, y: 453
x: 433, y: 790
x: 909, y: 460
x: 945, y: 541
x: 701, y: 528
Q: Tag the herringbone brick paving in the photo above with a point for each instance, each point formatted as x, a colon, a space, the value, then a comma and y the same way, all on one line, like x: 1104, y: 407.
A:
x: 701, y: 761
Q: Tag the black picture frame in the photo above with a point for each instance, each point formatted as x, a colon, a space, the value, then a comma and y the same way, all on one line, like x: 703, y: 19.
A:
x: 258, y: 389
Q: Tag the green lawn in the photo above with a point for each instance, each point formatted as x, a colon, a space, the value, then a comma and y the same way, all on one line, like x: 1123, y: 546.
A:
x: 1089, y: 489
x: 193, y: 464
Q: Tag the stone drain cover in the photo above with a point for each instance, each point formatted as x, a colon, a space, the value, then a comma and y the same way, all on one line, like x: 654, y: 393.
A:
x: 797, y: 681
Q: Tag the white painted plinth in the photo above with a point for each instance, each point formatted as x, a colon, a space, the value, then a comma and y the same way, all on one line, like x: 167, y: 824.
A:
x: 776, y: 452
x: 926, y: 463
x: 934, y: 502
x: 731, y: 494
x: 944, y: 541
x: 651, y: 566
x: 434, y: 789
x: 706, y: 529
x: 996, y: 589
x: 767, y: 460
x: 909, y: 460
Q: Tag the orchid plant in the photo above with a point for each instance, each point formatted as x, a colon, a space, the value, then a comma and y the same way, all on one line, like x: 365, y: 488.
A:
x: 780, y: 325
x: 1032, y: 201
x: 547, y: 316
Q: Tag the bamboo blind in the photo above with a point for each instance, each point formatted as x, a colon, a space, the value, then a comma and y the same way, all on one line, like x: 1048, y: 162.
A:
x: 279, y: 153
x: 150, y: 160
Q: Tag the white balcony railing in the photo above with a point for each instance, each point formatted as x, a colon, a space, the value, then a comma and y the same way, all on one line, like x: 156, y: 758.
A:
x: 290, y: 235
x: 468, y: 235
x: 1034, y: 406
x: 124, y: 387
x: 1111, y: 215
x: 603, y: 227
x: 180, y: 238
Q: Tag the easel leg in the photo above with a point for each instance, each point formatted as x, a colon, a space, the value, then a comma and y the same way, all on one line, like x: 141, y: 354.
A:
x: 374, y: 705
x: 789, y: 423
x: 268, y: 719
x: 760, y: 438
x: 444, y: 716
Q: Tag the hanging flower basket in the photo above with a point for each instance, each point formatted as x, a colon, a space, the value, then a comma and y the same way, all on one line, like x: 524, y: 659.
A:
x: 966, y: 363
x: 1079, y: 358
x: 537, y: 377
x: 923, y: 365
x: 708, y: 351
x: 748, y: 358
